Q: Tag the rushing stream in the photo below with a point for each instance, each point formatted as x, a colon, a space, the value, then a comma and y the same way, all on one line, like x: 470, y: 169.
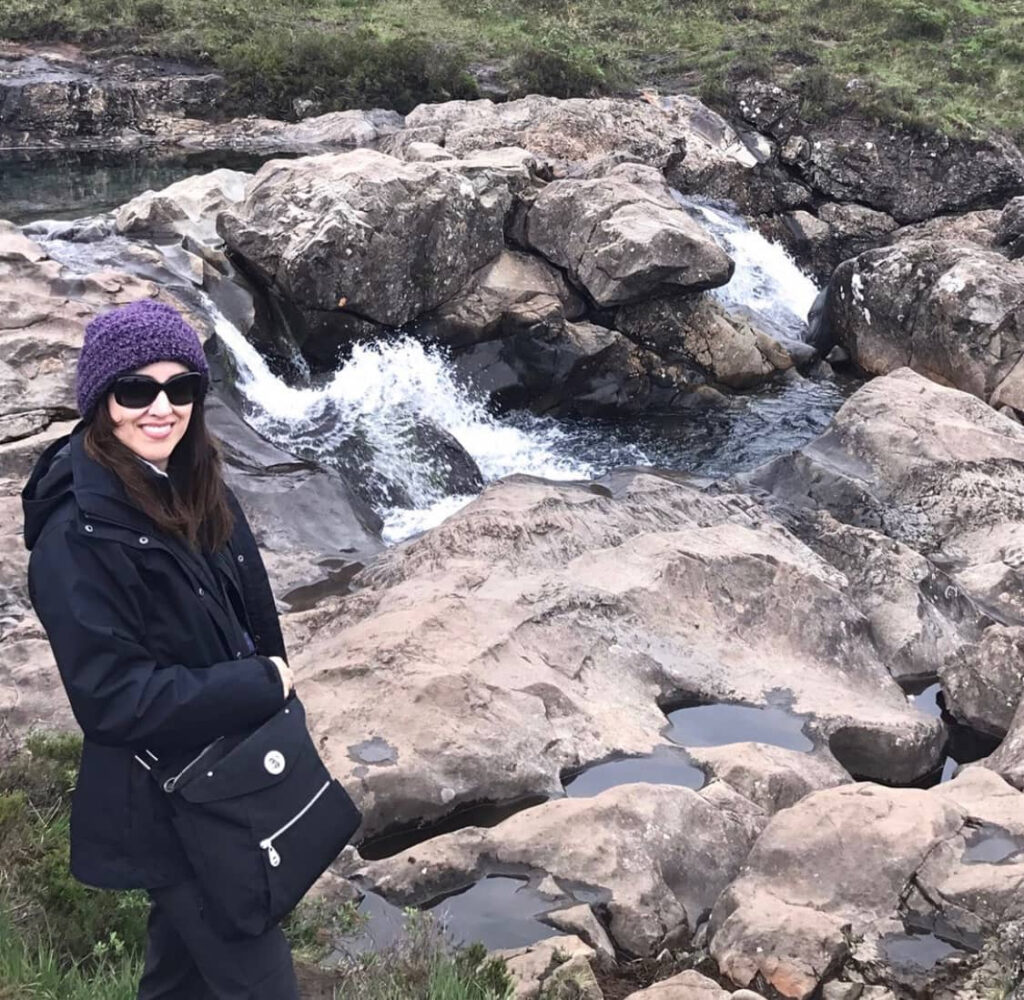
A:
x: 384, y: 390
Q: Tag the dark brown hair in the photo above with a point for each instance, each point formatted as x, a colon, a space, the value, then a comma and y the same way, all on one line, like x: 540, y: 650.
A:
x: 196, y: 506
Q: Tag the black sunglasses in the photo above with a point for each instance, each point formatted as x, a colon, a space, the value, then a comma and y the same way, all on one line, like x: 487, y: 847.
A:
x: 136, y: 392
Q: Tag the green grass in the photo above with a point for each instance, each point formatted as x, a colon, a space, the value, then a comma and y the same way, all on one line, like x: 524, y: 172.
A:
x: 953, y: 64
x: 60, y: 940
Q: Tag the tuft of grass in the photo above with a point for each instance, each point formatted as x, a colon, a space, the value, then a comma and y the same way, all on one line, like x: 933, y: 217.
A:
x: 60, y: 940
x: 957, y: 65
x: 424, y: 965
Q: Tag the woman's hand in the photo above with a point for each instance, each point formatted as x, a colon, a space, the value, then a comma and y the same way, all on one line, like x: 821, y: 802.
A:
x: 287, y: 679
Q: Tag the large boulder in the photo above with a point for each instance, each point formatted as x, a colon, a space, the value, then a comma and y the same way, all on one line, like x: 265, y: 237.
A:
x: 658, y: 855
x: 547, y: 623
x: 187, y: 207
x: 695, y: 329
x: 623, y: 238
x: 689, y: 985
x: 364, y: 234
x: 837, y: 233
x: 910, y: 175
x: 313, y: 529
x: 951, y: 311
x: 773, y: 778
x: 513, y: 293
x: 846, y: 871
x: 937, y: 471
x: 582, y: 370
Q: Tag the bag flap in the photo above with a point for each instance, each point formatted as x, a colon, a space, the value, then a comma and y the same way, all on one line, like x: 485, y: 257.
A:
x: 264, y: 758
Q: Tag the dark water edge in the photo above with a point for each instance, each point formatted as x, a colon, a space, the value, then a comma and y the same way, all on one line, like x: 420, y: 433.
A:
x: 63, y: 184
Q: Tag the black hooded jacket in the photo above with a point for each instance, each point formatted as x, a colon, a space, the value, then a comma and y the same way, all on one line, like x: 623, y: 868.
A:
x: 160, y: 649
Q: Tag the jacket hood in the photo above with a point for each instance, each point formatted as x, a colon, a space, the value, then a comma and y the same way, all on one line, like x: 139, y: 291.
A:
x: 50, y: 485
x: 64, y: 474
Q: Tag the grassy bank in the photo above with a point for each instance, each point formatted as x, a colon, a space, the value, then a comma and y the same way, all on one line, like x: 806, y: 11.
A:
x: 60, y: 940
x: 955, y: 64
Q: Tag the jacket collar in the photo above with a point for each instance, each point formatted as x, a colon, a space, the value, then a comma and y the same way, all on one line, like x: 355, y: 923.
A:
x: 100, y: 494
x: 98, y: 490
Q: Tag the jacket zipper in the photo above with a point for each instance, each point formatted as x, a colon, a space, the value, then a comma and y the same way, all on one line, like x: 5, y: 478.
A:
x: 170, y: 783
x: 267, y: 844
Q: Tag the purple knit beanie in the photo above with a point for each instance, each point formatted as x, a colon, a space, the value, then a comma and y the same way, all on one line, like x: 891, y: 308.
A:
x: 128, y: 338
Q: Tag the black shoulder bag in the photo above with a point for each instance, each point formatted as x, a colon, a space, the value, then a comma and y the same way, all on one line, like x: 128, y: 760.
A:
x: 260, y: 819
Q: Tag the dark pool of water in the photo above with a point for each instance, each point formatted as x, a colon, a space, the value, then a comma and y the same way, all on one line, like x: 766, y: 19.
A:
x: 664, y: 766
x: 716, y: 725
x: 716, y: 443
x: 916, y: 951
x: 69, y: 185
x: 477, y: 814
x: 500, y: 912
x: 991, y: 845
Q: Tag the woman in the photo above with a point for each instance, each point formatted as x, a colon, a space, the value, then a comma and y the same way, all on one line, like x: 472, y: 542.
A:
x: 147, y: 579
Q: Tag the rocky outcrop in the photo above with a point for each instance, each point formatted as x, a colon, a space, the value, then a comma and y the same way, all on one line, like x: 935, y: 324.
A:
x: 908, y: 175
x: 951, y: 311
x: 61, y: 96
x: 659, y: 856
x: 697, y: 149
x: 623, y: 238
x: 939, y: 472
x: 57, y: 96
x: 972, y: 228
x: 364, y: 234
x: 187, y: 207
x: 846, y: 871
x: 558, y: 617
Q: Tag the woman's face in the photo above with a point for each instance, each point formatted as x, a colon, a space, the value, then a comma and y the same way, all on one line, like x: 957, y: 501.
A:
x: 154, y: 431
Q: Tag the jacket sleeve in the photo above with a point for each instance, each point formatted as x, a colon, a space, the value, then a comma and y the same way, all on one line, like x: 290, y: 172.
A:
x: 89, y: 602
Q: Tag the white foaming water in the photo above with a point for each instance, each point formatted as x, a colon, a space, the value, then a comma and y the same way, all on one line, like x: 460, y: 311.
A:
x: 373, y: 405
x: 381, y: 392
x: 767, y: 280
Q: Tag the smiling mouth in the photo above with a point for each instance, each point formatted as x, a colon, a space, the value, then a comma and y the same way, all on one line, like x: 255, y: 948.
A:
x: 156, y: 431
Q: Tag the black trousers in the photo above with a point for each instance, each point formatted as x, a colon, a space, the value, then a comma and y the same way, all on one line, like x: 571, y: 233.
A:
x: 186, y: 959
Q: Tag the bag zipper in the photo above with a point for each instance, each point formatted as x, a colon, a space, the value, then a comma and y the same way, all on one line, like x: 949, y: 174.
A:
x: 170, y: 783
x: 267, y: 844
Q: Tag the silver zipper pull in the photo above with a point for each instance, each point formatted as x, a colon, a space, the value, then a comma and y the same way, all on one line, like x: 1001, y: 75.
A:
x: 272, y: 856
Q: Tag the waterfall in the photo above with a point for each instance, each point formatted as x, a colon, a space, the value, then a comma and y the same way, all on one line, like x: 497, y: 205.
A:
x: 385, y: 389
